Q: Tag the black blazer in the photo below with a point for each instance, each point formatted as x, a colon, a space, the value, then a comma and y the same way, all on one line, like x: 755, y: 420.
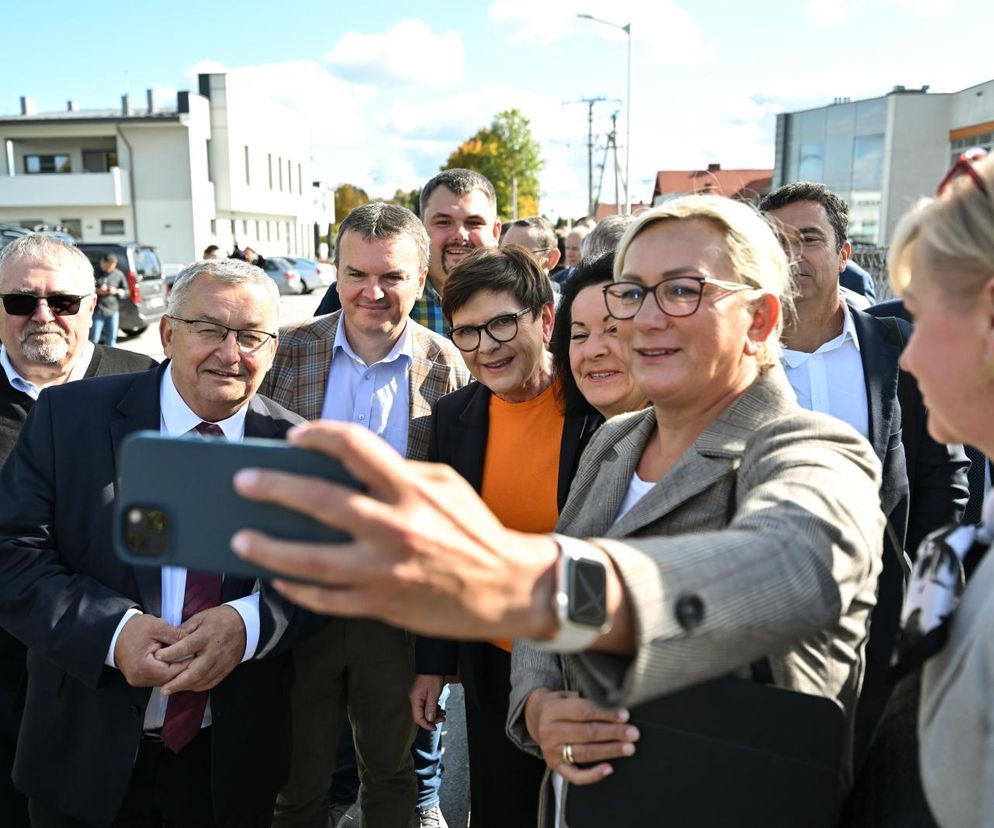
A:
x: 460, y: 424
x: 63, y: 591
x: 14, y: 408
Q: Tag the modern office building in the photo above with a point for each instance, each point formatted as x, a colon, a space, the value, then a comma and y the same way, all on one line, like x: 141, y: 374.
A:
x: 883, y: 154
x: 226, y: 165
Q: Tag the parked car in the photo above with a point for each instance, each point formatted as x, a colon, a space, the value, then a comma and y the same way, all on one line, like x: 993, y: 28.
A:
x: 147, y: 289
x: 313, y: 274
x: 9, y: 232
x: 285, y: 275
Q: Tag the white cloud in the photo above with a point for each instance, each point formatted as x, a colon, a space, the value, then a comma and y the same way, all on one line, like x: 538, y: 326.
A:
x: 663, y: 34
x: 334, y: 108
x: 828, y: 13
x: 408, y: 53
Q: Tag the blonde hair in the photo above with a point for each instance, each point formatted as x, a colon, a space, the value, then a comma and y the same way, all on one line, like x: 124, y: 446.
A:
x: 753, y: 248
x: 957, y: 228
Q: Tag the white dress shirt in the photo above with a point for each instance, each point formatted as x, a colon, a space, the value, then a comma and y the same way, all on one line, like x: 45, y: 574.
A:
x: 177, y: 420
x: 18, y: 383
x: 375, y: 396
x: 831, y: 380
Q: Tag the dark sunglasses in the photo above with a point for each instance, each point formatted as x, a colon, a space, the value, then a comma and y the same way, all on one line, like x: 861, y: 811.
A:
x: 964, y: 166
x: 24, y: 304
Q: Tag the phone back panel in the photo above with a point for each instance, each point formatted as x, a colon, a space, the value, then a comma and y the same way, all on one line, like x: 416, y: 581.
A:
x: 190, y: 482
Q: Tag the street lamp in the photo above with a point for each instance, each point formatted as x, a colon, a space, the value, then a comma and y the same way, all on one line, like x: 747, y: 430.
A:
x: 627, y: 29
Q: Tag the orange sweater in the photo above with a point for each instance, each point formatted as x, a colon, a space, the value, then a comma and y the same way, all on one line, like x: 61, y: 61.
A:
x: 521, y: 465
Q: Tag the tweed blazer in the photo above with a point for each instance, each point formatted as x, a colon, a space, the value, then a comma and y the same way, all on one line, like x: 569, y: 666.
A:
x: 792, y: 577
x: 298, y: 379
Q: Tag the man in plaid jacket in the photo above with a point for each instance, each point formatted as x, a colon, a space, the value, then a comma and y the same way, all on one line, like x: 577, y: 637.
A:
x: 373, y: 365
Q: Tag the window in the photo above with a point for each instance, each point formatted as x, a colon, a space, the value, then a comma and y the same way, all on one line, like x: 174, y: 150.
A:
x: 269, y: 163
x: 867, y: 162
x: 112, y: 227
x: 73, y: 226
x: 47, y: 164
x: 214, y: 227
x: 279, y: 164
x: 99, y: 160
x: 300, y: 178
x: 289, y: 176
x: 811, y: 162
x: 248, y: 177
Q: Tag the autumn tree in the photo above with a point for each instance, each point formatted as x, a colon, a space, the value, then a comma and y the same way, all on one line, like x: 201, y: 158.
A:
x: 506, y: 153
x: 408, y: 198
x: 347, y: 198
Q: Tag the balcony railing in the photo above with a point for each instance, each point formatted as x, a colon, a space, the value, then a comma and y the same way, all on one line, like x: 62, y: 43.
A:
x: 109, y: 189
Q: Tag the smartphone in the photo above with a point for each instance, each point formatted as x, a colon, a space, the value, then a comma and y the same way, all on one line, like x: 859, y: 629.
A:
x: 176, y: 503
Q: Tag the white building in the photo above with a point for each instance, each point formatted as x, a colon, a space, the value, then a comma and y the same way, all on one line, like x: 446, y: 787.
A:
x: 226, y: 166
x: 883, y: 154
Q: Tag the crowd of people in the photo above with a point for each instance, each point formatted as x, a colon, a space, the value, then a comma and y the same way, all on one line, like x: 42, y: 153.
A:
x: 679, y: 474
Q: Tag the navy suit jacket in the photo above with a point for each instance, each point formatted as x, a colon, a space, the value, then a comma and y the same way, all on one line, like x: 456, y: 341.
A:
x: 63, y: 592
x: 460, y: 424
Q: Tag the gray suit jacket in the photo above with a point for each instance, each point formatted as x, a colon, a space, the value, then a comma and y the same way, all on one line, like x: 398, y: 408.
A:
x: 298, y: 379
x: 791, y: 578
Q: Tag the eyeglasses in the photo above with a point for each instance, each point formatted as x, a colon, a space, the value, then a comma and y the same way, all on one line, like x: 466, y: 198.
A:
x: 964, y: 166
x: 501, y: 328
x: 24, y: 304
x: 679, y: 296
x: 211, y: 333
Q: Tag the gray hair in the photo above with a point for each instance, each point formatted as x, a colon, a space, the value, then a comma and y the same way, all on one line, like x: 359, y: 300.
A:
x: 226, y: 271
x: 543, y: 228
x: 606, y: 236
x: 52, y: 252
x: 385, y: 221
x: 462, y: 183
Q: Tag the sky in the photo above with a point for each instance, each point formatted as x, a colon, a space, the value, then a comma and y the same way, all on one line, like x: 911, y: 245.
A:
x: 390, y: 89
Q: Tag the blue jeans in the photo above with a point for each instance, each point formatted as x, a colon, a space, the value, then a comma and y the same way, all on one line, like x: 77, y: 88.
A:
x: 106, y: 325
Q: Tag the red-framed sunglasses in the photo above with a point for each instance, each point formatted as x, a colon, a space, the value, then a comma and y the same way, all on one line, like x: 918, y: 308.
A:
x: 964, y: 166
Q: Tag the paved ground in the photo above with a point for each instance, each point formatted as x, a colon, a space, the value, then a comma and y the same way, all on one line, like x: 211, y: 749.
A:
x: 455, y: 781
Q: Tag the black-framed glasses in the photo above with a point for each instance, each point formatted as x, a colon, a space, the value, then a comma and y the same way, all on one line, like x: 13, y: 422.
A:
x: 60, y: 304
x: 501, y: 328
x: 677, y: 296
x: 212, y: 333
x: 964, y: 166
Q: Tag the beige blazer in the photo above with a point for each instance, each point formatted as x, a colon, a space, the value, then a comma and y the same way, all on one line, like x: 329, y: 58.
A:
x: 792, y: 578
x: 298, y: 379
x: 956, y: 712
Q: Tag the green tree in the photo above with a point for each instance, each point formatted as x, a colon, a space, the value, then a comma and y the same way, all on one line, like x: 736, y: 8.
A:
x: 505, y: 152
x: 408, y: 198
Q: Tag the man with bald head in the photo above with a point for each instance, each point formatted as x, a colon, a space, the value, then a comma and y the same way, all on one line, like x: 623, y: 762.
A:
x: 46, y: 308
x: 537, y: 235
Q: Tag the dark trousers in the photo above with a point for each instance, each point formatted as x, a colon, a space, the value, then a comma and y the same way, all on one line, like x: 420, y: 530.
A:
x: 504, y: 781
x: 166, y: 790
x: 13, y: 804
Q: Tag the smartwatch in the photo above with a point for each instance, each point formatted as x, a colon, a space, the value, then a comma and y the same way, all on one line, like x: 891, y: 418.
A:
x: 579, y: 600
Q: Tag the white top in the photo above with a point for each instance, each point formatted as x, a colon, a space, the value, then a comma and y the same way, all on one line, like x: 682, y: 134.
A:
x: 831, y: 380
x: 18, y: 383
x: 374, y: 396
x: 637, y: 489
x: 177, y: 420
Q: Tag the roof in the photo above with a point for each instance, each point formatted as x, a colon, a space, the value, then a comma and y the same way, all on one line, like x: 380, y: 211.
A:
x: 742, y: 185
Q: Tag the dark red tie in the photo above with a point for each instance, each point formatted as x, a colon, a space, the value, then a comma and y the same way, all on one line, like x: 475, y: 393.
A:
x: 185, y: 710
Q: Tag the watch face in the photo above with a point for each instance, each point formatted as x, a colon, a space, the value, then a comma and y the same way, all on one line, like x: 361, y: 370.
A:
x: 587, y: 587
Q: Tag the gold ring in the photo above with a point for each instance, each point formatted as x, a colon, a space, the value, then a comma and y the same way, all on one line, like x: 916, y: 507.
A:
x: 568, y: 754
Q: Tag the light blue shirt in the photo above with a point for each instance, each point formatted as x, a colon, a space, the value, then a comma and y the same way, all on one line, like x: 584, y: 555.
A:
x: 377, y: 396
x: 830, y: 380
x: 18, y: 383
x: 176, y: 420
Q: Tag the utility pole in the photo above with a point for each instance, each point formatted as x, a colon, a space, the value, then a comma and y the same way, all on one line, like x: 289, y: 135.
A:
x: 591, y: 205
